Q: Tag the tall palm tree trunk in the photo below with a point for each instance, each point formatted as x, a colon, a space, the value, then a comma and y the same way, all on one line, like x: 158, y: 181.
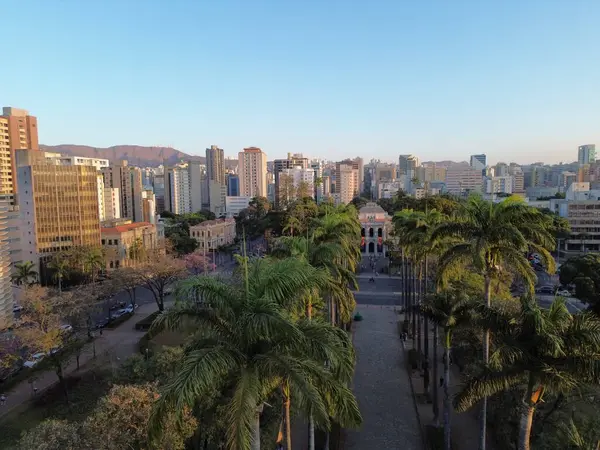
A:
x: 287, y: 429
x: 311, y: 434
x: 447, y: 407
x: 411, y: 284
x: 436, y: 398
x: 486, y: 358
x: 255, y: 444
x: 417, y: 288
x: 528, y: 409
x: 425, y: 324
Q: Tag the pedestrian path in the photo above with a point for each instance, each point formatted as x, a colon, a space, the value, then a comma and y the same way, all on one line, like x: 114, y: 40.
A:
x: 117, y: 344
x: 382, y: 386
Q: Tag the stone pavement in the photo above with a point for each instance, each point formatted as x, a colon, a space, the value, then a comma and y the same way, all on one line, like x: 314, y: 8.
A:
x: 382, y: 386
x: 117, y: 344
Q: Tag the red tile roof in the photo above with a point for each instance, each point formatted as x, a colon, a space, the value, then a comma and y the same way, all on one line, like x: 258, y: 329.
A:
x: 124, y: 228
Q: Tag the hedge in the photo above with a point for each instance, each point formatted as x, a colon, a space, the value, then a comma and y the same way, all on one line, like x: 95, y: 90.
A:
x: 146, y: 322
x: 119, y: 320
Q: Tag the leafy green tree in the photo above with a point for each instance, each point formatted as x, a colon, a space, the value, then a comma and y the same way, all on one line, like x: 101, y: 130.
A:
x: 53, y: 434
x: 448, y: 310
x: 121, y: 420
x: 491, y: 239
x: 160, y: 273
x: 25, y: 274
x: 245, y: 342
x: 584, y: 273
x: 538, y: 351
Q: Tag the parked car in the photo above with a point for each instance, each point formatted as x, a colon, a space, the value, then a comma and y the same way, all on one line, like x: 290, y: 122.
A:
x: 66, y: 328
x: 563, y: 293
x: 17, y: 308
x: 34, y: 360
x: 102, y: 323
x: 548, y: 290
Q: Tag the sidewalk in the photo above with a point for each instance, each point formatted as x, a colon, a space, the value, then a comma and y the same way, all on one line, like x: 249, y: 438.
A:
x: 119, y: 343
x: 465, y: 426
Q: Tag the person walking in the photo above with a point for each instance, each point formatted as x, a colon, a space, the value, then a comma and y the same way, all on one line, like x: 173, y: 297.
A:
x: 2, y: 400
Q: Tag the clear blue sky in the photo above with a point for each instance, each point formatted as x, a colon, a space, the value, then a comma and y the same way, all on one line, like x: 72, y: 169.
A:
x: 518, y: 80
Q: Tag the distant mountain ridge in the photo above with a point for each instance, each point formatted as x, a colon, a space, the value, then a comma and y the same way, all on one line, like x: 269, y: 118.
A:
x: 136, y: 155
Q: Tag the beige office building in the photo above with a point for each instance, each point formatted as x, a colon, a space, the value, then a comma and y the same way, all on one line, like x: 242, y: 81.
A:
x: 18, y: 131
x: 58, y: 207
x: 252, y: 167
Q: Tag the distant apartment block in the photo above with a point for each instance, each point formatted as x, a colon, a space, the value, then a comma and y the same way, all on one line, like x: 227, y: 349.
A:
x: 347, y: 182
x: 112, y: 204
x: 67, y: 160
x: 6, y: 295
x: 235, y: 204
x: 462, y: 180
x: 296, y: 182
x: 252, y: 167
x: 233, y: 185
x: 128, y: 180
x: 586, y: 154
x: 18, y: 131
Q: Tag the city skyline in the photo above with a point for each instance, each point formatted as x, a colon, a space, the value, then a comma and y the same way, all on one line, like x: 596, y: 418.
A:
x: 440, y: 82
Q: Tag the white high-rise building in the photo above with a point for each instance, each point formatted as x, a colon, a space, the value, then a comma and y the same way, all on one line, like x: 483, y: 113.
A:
x: 317, y: 167
x: 177, y: 190
x: 499, y: 185
x: 6, y: 296
x: 100, y: 187
x: 252, y: 167
x: 196, y: 179
x: 66, y: 160
x: 301, y: 178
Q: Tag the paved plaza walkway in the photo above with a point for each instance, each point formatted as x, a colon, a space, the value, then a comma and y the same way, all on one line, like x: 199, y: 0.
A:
x: 382, y: 386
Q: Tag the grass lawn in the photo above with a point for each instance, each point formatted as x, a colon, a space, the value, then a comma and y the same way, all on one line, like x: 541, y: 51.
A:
x: 167, y: 338
x: 84, y: 391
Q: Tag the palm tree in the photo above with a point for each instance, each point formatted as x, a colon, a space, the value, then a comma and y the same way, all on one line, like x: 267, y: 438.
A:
x: 242, y: 333
x: 449, y: 310
x: 537, y: 351
x: 489, y: 239
x: 61, y: 267
x: 25, y: 274
x: 94, y: 262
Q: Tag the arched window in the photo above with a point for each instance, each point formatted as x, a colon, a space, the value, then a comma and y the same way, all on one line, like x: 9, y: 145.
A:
x: 371, y: 246
x: 371, y: 232
x: 362, y: 232
x: 379, y: 232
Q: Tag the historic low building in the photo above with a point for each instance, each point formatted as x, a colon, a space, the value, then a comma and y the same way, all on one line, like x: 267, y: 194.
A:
x: 375, y: 227
x: 213, y: 234
x: 126, y: 244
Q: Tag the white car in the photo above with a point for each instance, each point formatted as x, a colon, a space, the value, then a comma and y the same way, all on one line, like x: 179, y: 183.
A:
x: 34, y: 360
x: 563, y: 293
x: 66, y: 328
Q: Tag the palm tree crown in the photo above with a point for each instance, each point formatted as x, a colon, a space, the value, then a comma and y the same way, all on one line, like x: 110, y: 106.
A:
x: 246, y: 342
x: 538, y: 350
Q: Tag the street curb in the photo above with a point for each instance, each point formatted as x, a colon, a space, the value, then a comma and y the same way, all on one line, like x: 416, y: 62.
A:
x: 414, y: 397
